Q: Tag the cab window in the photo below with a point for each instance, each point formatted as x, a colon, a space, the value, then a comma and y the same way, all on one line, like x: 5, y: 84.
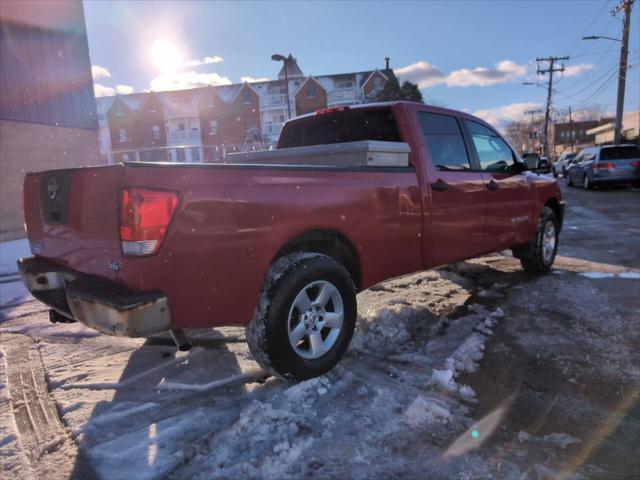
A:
x: 494, y: 154
x: 445, y: 142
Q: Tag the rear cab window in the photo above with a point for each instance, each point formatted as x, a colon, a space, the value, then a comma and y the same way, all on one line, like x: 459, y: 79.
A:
x: 342, y: 126
x: 619, y: 153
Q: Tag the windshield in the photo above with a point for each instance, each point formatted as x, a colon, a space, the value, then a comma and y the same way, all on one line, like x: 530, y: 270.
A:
x: 619, y: 153
x: 338, y: 127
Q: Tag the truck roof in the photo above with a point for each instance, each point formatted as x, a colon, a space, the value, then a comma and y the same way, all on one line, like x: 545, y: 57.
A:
x: 380, y: 105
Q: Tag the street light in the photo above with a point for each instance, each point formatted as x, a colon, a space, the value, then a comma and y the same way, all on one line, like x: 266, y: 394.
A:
x: 622, y: 69
x: 596, y: 37
x: 276, y: 57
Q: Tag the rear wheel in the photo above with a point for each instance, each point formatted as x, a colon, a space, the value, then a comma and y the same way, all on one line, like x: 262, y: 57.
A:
x: 538, y: 256
x: 586, y: 183
x: 305, y: 316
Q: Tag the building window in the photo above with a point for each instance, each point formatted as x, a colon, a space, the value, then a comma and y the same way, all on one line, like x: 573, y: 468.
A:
x: 125, y: 157
x: 344, y: 85
x: 155, y: 132
x: 377, y: 82
x: 122, y: 135
x: 311, y: 90
x: 246, y: 97
x: 181, y: 127
x: 213, y: 127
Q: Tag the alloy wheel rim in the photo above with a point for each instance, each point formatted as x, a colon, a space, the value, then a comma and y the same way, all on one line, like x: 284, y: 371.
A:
x: 315, y: 319
x: 548, y: 241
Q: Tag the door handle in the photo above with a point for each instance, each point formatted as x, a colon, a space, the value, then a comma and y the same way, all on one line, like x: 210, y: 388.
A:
x: 492, y: 185
x: 440, y: 185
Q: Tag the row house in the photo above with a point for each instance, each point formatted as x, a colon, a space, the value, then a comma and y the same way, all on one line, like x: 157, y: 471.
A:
x: 202, y: 124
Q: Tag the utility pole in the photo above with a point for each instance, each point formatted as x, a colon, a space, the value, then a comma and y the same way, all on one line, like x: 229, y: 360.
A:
x: 547, y: 112
x: 625, y: 6
x: 532, y: 132
x: 573, y: 138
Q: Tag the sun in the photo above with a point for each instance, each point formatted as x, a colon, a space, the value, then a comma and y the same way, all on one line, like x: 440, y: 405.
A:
x: 166, y: 56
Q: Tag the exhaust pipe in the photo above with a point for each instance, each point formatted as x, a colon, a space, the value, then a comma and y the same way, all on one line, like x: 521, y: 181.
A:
x: 180, y: 338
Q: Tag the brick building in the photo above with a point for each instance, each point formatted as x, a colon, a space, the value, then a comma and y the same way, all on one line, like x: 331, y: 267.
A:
x: 47, y: 108
x: 202, y: 124
x: 573, y: 136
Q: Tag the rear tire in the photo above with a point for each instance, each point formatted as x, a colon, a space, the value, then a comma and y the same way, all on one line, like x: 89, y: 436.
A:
x: 586, y: 182
x: 305, y: 316
x: 538, y: 256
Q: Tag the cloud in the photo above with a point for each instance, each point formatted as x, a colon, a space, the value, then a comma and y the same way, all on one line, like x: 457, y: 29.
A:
x: 499, y: 117
x: 426, y: 75
x: 204, y: 61
x: 421, y: 73
x: 103, y: 91
x: 254, y: 80
x: 124, y: 89
x: 99, y: 72
x: 504, y: 71
x: 184, y: 80
x: 575, y: 70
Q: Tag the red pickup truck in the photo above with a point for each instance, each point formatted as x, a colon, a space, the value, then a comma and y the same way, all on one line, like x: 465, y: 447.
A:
x: 282, y: 241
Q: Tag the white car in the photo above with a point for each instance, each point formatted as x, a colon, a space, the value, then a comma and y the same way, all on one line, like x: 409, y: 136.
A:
x: 560, y: 166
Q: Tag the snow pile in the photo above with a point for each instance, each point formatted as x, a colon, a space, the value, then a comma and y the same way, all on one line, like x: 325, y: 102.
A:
x: 265, y: 442
x: 601, y: 275
x: 466, y: 357
x: 426, y: 410
x: 384, y: 331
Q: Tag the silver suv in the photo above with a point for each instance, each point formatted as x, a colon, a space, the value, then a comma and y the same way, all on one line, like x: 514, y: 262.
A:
x: 608, y: 164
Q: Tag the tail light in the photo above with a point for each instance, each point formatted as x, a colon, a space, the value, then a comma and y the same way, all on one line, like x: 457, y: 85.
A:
x: 144, y: 219
x: 635, y: 164
x: 604, y: 166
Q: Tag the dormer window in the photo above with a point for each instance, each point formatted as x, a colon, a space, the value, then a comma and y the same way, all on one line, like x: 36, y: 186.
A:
x: 246, y: 97
x: 213, y: 127
x: 155, y: 132
x: 122, y: 135
x: 378, y: 82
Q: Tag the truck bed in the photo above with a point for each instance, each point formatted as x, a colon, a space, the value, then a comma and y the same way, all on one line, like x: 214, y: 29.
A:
x: 230, y: 222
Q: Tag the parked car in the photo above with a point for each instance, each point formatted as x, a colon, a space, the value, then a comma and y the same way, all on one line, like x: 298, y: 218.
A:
x: 537, y: 162
x: 560, y: 165
x: 282, y: 241
x: 605, y: 165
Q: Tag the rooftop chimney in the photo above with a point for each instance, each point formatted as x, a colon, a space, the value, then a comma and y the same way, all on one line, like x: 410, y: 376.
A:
x: 386, y: 63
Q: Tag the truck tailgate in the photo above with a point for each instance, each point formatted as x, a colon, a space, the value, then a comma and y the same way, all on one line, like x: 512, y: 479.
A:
x: 72, y: 215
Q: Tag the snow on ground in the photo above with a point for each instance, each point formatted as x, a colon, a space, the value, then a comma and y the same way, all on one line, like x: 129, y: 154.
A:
x: 12, y: 292
x: 136, y: 406
x: 139, y: 409
x: 13, y: 461
x: 10, y: 252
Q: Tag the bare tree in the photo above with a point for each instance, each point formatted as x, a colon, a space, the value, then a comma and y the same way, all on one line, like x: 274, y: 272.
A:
x: 519, y: 134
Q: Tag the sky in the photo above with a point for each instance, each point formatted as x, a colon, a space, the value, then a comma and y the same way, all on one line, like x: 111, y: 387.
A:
x: 471, y: 55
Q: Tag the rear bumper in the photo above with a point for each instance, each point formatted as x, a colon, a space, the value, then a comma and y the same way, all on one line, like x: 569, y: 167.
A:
x: 611, y: 178
x: 98, y: 303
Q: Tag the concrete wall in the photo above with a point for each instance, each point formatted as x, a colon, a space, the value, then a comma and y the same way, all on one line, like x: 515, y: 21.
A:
x: 27, y: 147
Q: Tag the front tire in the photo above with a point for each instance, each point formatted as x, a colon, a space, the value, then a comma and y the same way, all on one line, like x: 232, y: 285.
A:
x: 586, y: 182
x: 538, y: 256
x: 305, y: 316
